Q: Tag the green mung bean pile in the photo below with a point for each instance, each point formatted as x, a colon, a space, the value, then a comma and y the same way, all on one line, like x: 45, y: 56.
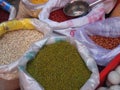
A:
x: 59, y: 66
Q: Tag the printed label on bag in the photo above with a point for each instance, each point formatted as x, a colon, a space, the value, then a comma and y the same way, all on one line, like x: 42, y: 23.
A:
x: 72, y: 33
x: 6, y: 6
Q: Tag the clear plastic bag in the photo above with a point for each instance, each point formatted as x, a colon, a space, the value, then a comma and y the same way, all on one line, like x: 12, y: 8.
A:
x: 29, y: 83
x: 97, y: 13
x: 108, y: 4
x: 10, y: 8
x: 9, y: 79
x: 32, y: 9
x: 108, y: 28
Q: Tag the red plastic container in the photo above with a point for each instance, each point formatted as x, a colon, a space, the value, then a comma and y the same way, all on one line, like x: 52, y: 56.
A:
x: 111, y: 66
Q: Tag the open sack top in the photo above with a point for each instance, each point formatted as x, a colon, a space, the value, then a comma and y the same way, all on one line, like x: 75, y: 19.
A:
x: 8, y: 71
x: 97, y: 13
x: 29, y: 83
x: 107, y: 28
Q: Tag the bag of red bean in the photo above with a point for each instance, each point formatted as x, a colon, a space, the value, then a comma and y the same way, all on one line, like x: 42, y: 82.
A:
x: 96, y: 14
x: 101, y: 38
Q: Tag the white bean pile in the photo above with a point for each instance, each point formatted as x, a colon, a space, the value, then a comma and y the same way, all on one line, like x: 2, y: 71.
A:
x: 14, y: 44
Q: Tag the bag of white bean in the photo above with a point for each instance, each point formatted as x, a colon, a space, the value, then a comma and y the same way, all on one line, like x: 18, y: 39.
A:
x: 29, y: 83
x: 14, y: 44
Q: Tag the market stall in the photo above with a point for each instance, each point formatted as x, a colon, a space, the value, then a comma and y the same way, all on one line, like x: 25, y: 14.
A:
x: 43, y: 48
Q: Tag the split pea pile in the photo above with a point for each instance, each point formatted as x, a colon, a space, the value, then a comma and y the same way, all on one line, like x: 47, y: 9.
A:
x: 39, y: 1
x: 59, y: 66
x: 14, y: 44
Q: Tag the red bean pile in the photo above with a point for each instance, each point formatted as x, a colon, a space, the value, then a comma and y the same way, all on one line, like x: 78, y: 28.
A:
x: 106, y: 42
x: 3, y: 15
x: 59, y: 16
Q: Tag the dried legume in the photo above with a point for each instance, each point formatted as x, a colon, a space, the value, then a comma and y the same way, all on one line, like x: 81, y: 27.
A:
x: 38, y: 1
x: 59, y: 67
x: 106, y: 42
x: 14, y: 44
x: 59, y: 16
x: 4, y: 15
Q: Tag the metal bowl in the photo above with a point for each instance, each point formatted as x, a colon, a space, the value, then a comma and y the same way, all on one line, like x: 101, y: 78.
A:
x: 76, y: 8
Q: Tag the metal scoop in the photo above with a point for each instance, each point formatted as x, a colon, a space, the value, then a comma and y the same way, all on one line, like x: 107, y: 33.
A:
x: 79, y: 8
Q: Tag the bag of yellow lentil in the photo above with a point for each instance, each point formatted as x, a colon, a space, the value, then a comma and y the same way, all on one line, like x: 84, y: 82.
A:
x: 29, y: 82
x: 33, y: 7
x: 9, y: 79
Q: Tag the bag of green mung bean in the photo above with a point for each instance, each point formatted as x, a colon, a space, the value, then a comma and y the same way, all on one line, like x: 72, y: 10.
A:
x: 9, y: 79
x: 29, y: 78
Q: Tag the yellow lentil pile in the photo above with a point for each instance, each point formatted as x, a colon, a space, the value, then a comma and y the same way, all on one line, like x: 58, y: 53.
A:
x: 15, y: 43
x: 38, y: 1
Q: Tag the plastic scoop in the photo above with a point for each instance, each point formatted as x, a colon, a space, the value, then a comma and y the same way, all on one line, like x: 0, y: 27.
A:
x: 79, y: 8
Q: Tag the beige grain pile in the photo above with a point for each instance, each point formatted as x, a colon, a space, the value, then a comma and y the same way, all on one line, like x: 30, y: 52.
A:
x: 14, y: 44
x: 24, y: 12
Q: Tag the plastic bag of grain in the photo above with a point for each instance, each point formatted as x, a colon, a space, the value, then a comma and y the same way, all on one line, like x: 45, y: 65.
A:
x: 97, y: 13
x: 13, y: 44
x: 14, y: 3
x: 22, y: 12
x: 33, y: 7
x: 102, y: 39
x: 29, y: 83
x: 8, y: 7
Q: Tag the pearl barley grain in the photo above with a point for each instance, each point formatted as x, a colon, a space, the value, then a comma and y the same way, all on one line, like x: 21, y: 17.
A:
x: 14, y: 44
